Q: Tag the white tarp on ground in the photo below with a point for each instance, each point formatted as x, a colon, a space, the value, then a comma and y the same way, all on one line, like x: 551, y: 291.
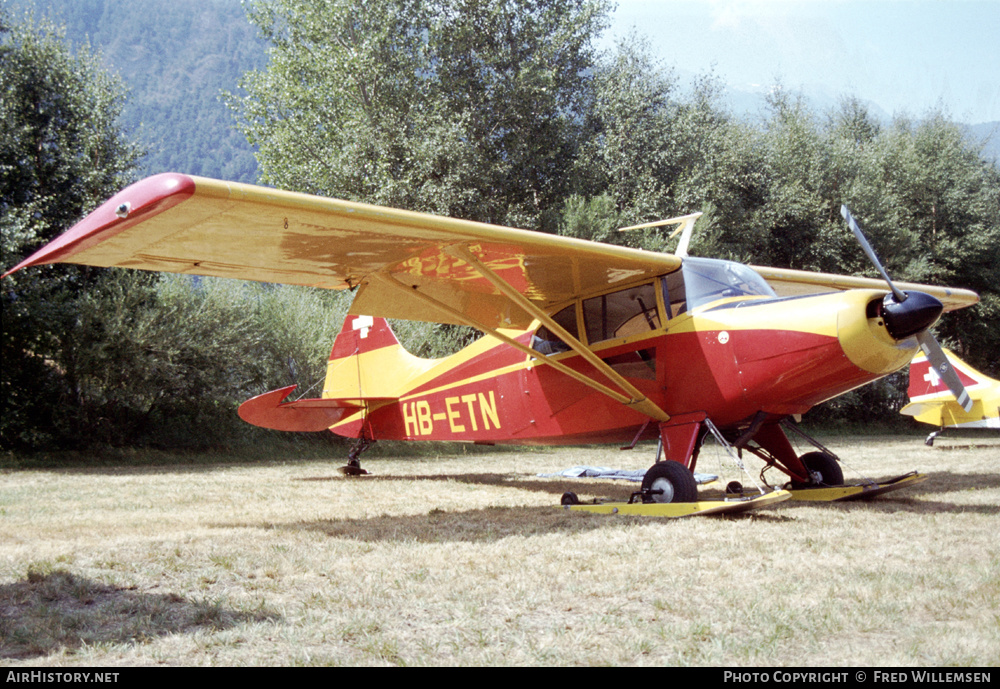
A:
x: 622, y: 474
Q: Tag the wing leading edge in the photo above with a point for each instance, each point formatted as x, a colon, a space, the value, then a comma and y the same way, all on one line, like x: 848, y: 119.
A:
x: 789, y: 283
x: 183, y: 224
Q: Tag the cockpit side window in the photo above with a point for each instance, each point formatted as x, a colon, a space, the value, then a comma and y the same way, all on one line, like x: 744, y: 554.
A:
x: 546, y: 342
x: 627, y: 312
x: 674, y: 294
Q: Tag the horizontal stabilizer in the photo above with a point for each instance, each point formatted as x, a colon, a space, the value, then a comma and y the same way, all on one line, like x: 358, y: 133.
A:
x: 270, y: 411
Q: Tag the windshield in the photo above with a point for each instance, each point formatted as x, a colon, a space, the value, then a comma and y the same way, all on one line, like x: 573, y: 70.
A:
x: 706, y: 280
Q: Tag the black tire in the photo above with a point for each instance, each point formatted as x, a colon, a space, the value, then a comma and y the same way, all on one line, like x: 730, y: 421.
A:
x: 826, y: 466
x: 569, y: 498
x: 673, y: 479
x: 734, y: 488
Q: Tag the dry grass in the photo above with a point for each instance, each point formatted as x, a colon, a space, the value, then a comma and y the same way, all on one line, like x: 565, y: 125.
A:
x: 468, y: 561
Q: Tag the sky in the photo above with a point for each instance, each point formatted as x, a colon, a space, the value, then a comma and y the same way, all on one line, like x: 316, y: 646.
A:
x: 905, y: 56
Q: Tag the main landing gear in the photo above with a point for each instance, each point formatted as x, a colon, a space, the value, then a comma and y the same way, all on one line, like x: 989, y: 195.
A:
x: 669, y: 488
x: 817, y: 475
x: 823, y: 470
x: 669, y: 482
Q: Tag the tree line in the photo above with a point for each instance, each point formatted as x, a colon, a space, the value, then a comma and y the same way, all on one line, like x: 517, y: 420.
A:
x: 501, y: 111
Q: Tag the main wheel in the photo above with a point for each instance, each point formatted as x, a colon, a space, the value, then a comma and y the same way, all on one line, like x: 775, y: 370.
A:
x: 673, y: 481
x: 823, y: 470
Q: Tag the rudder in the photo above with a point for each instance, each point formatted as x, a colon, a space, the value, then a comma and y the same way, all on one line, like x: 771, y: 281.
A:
x: 927, y: 384
x: 360, y: 335
x: 367, y: 361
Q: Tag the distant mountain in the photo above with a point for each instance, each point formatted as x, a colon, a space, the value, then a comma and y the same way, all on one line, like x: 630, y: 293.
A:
x: 751, y: 104
x: 988, y: 134
x: 177, y: 58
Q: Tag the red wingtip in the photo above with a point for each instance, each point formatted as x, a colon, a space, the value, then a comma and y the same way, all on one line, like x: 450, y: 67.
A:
x: 126, y: 208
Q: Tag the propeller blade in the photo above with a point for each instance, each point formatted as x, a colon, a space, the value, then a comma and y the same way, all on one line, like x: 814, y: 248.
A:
x: 940, y: 363
x: 911, y: 321
x: 896, y: 292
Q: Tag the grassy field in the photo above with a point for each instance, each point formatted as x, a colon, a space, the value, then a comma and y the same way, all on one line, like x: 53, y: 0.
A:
x: 468, y: 560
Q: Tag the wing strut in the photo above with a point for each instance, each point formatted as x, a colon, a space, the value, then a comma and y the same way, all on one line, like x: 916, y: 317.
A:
x: 638, y: 400
x: 460, y: 317
x: 633, y: 396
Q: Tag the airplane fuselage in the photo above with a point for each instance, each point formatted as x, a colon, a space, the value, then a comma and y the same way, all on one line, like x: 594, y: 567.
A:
x: 729, y: 358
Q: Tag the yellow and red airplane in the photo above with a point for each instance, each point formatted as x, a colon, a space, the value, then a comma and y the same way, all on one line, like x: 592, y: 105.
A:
x: 583, y: 342
x: 932, y: 402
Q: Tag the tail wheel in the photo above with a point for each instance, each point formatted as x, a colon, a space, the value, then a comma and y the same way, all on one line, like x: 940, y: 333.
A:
x: 669, y: 482
x: 823, y: 469
x: 569, y: 498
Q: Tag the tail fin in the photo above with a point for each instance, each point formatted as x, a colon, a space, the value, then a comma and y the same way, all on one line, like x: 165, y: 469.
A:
x: 926, y: 383
x: 362, y: 334
x: 367, y: 364
x: 931, y: 402
x: 367, y: 361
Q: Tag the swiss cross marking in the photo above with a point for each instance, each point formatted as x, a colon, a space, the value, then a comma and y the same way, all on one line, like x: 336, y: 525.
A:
x: 932, y: 377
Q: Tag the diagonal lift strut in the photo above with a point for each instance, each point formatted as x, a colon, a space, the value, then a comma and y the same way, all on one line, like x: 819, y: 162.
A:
x: 629, y: 396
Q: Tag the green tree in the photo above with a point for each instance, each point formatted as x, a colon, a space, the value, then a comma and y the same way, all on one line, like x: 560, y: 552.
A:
x: 945, y: 209
x: 469, y: 108
x: 629, y: 152
x: 61, y: 152
x: 167, y: 362
x: 516, y: 75
x: 652, y: 151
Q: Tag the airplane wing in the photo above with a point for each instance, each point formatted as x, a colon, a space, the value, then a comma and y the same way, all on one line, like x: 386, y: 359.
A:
x: 183, y: 224
x: 789, y: 283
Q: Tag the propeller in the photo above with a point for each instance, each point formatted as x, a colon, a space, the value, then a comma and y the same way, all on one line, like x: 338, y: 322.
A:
x: 913, y: 313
